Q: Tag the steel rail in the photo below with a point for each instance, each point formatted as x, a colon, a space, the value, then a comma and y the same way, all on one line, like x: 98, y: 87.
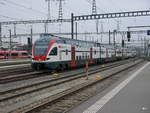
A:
x: 56, y: 81
x: 64, y: 94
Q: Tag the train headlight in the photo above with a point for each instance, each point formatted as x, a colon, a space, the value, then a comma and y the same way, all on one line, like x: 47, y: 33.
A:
x: 47, y: 58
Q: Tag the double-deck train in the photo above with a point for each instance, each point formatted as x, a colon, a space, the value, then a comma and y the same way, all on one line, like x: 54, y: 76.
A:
x: 54, y: 53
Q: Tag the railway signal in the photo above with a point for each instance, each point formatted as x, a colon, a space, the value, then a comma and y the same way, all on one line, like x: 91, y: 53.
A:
x: 148, y: 32
x: 128, y: 36
x: 122, y: 43
x: 29, y: 45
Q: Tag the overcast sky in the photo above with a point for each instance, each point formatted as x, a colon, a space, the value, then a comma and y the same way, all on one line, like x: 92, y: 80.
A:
x: 37, y: 9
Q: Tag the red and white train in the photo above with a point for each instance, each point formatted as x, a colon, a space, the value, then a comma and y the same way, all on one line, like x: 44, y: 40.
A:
x: 52, y: 52
x: 13, y: 54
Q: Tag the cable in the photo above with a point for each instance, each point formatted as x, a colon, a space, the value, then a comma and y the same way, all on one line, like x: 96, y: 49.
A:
x: 19, y: 5
x: 10, y: 17
x: 116, y: 5
x: 17, y: 12
x: 26, y: 1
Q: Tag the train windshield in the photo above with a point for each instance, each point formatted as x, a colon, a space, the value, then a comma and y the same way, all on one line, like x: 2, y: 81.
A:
x: 41, y: 46
x: 40, y: 49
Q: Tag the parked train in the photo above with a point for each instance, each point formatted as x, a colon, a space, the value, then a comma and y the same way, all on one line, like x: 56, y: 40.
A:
x: 52, y: 52
x: 13, y: 54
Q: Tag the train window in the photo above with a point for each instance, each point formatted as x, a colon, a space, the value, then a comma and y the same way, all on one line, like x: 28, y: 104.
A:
x: 24, y: 54
x: 95, y: 52
x: 86, y: 57
x: 119, y: 52
x: 86, y: 54
x: 102, y: 52
x: 53, y: 51
x: 7, y: 54
x: 76, y: 57
x: 66, y: 52
x: 80, y: 58
x: 1, y: 54
x: 83, y: 54
x: 14, y: 54
x: 64, y: 41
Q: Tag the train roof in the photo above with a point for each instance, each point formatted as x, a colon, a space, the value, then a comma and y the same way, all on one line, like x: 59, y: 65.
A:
x: 48, y: 37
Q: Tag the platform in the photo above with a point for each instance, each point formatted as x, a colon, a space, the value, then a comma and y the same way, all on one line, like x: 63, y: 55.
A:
x: 130, y: 95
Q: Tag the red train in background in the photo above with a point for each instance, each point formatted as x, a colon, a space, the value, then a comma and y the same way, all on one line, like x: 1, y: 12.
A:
x: 13, y: 54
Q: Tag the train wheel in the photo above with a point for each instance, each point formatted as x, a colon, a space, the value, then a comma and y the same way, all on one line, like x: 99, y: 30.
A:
x: 38, y: 67
x: 60, y: 68
x: 66, y: 66
x: 33, y: 66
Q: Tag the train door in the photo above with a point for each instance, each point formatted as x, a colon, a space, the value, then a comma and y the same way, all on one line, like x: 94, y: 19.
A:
x: 100, y: 49
x: 60, y: 55
x: 115, y: 52
x: 73, y: 55
x: 107, y: 52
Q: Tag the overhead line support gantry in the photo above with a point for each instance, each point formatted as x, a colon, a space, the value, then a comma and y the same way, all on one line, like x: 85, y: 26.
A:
x: 107, y: 16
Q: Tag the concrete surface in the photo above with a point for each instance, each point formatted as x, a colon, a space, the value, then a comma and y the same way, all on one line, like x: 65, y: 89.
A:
x: 134, y: 97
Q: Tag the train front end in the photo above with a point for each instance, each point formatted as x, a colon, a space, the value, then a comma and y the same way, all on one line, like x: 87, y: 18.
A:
x: 42, y: 52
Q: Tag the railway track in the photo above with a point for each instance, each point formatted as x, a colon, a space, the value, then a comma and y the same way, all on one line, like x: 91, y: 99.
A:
x: 23, y: 76
x: 14, y: 62
x: 11, y: 72
x: 12, y: 67
x: 64, y: 102
x: 32, y: 88
x: 22, y: 73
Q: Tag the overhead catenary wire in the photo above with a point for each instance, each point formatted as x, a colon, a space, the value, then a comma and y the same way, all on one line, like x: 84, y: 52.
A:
x: 22, y: 8
x: 116, y: 5
x: 25, y: 7
x: 26, y: 1
x: 13, y: 18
